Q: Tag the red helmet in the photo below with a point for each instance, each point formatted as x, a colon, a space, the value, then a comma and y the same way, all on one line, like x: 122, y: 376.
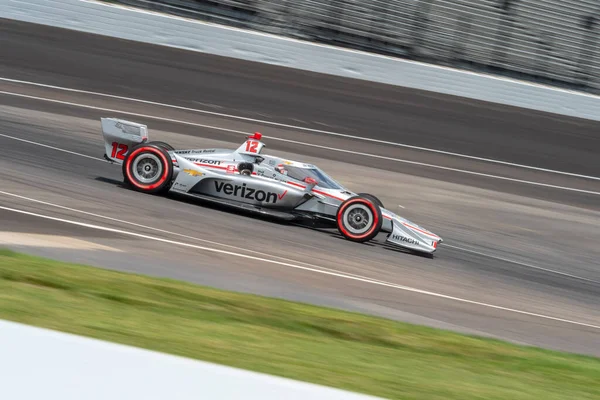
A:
x: 281, y: 169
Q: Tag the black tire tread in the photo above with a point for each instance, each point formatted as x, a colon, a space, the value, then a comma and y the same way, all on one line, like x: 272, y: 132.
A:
x: 373, y: 198
x: 164, y: 145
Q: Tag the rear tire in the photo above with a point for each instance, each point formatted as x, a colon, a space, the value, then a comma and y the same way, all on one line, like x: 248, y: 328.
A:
x: 148, y: 168
x: 164, y: 145
x: 359, y: 219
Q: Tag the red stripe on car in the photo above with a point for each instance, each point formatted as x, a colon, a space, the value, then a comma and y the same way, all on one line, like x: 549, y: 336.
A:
x: 328, y: 195
x: 296, y: 184
x: 420, y: 230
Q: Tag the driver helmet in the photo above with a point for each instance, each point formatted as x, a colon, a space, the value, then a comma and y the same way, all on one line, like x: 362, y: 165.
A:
x: 281, y: 169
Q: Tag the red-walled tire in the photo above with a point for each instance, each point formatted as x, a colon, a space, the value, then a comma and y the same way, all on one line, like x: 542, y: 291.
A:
x: 359, y: 219
x: 164, y: 145
x: 148, y: 168
x: 373, y: 198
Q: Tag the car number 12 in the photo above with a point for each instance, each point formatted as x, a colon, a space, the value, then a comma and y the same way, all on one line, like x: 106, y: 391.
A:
x: 119, y: 150
x: 251, y: 146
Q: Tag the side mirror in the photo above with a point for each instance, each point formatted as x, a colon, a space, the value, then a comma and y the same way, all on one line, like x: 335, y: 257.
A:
x: 310, y: 182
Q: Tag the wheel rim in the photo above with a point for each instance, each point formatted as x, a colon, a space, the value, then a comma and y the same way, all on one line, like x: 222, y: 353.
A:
x: 358, y: 219
x: 147, y: 168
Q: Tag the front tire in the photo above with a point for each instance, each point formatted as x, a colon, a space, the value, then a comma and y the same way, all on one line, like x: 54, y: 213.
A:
x: 148, y: 168
x: 359, y: 219
x: 373, y: 198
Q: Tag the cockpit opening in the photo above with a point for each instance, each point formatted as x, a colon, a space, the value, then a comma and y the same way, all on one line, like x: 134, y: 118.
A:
x: 301, y: 174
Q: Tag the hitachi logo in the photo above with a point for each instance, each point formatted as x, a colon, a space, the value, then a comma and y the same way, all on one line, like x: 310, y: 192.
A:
x: 405, y: 239
x: 248, y: 192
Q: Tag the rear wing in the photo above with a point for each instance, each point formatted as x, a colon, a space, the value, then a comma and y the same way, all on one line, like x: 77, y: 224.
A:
x: 120, y: 136
x: 252, y: 146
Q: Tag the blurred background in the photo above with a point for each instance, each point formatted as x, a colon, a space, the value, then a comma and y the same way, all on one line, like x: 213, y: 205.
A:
x: 547, y: 41
x: 506, y: 173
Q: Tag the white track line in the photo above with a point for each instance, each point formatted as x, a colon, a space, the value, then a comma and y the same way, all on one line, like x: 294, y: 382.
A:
x: 52, y: 147
x: 160, y: 230
x: 489, y: 160
x: 307, y: 144
x: 337, y: 274
x: 239, y: 248
x: 519, y: 263
x: 260, y: 252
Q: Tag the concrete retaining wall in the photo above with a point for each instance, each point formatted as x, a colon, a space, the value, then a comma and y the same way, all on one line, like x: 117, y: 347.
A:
x: 144, y: 26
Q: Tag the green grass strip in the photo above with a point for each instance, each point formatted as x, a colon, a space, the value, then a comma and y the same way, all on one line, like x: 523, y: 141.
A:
x: 325, y: 346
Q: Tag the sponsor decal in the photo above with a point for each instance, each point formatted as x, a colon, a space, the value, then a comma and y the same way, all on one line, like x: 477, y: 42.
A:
x: 180, y: 185
x: 205, y: 161
x: 405, y: 239
x: 288, y: 162
x: 272, y: 162
x: 266, y: 173
x: 193, y: 172
x: 246, y: 192
x: 194, y: 151
x: 230, y: 169
x: 132, y: 130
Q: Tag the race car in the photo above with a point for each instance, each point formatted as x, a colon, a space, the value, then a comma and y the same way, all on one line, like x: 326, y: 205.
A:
x: 247, y: 178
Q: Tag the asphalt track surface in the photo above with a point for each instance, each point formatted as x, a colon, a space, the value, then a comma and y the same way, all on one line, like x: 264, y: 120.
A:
x: 520, y: 261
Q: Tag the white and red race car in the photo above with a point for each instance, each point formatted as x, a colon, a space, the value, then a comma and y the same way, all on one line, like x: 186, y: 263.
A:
x: 248, y: 179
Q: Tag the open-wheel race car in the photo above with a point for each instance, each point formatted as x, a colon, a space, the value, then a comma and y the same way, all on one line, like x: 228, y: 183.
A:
x: 248, y: 179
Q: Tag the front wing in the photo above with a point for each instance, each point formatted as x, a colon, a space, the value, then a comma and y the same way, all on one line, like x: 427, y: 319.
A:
x: 406, y: 234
